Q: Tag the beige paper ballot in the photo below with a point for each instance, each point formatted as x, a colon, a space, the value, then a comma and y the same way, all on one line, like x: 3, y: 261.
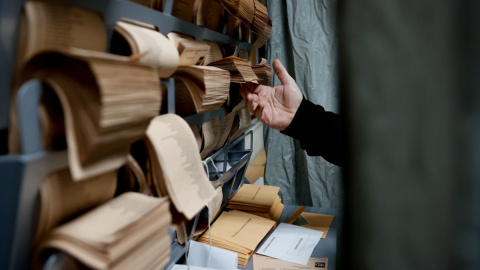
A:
x: 156, y: 49
x: 191, y: 51
x: 210, y: 133
x: 181, y: 167
x: 215, y: 203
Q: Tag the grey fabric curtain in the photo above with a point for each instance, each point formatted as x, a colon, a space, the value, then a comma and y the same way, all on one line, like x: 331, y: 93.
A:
x: 303, y: 38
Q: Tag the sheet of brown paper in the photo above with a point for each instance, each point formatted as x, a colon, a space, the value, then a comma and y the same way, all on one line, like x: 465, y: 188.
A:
x: 198, y: 137
x: 244, y: 229
x: 155, y: 49
x: 181, y: 168
x: 296, y: 214
x: 191, y: 51
x: 210, y: 134
x: 318, y: 222
x: 256, y: 195
x: 215, y: 204
x: 214, y: 54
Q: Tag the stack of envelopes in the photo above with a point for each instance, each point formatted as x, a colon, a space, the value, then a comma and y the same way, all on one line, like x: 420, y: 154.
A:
x: 258, y: 200
x: 239, y: 232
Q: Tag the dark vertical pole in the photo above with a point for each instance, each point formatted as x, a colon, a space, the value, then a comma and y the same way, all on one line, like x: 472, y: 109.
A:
x: 467, y: 242
x: 410, y: 96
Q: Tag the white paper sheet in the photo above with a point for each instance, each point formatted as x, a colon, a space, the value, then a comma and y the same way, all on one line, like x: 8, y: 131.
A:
x: 219, y: 258
x: 291, y: 243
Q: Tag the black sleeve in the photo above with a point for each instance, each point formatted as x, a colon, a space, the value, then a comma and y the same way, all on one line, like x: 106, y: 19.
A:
x: 318, y: 132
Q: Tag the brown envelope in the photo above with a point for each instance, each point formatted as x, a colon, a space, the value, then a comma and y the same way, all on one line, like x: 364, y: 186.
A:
x: 296, y: 214
x: 318, y: 222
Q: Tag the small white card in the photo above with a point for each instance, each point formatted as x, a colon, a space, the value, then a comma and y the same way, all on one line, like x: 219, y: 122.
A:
x: 219, y: 258
x: 291, y: 243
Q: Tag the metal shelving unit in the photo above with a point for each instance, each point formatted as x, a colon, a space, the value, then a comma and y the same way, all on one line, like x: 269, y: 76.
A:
x: 23, y: 173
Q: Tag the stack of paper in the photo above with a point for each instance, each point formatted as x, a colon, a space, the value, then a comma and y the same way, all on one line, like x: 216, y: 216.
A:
x: 258, y: 200
x: 62, y: 199
x: 263, y: 72
x: 253, y: 15
x: 208, y: 14
x: 175, y: 166
x: 191, y: 51
x: 204, y: 86
x: 128, y: 232
x: 240, y: 70
x: 238, y: 232
x: 260, y: 39
x: 104, y: 108
x: 148, y: 46
x: 48, y: 25
x: 214, y: 54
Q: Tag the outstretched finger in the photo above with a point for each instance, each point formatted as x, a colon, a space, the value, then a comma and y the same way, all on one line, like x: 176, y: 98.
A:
x: 281, y: 72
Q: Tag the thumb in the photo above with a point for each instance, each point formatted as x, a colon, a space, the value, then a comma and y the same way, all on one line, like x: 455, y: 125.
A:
x: 281, y: 72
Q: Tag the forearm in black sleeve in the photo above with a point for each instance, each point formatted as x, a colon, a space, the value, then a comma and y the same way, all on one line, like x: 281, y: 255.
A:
x: 318, y: 132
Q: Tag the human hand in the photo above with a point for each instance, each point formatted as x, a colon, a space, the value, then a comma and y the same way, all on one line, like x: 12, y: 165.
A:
x: 274, y: 106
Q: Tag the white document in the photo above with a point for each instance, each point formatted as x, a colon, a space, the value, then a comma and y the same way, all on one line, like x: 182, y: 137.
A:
x: 291, y: 243
x: 219, y: 258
